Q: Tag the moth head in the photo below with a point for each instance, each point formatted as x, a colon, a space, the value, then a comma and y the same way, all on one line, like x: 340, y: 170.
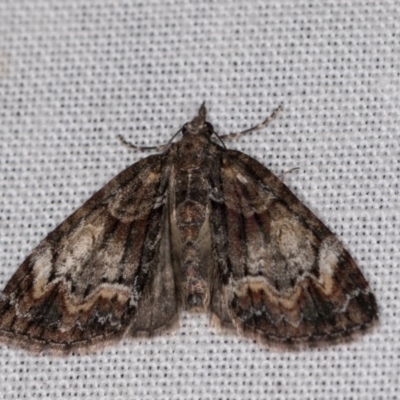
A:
x: 198, y: 125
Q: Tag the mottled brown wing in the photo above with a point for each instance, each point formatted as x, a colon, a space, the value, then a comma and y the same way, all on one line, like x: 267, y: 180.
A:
x: 103, y: 273
x: 284, y: 278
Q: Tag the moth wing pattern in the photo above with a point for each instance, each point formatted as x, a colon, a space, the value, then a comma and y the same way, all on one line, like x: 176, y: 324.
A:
x: 282, y: 277
x: 200, y: 228
x: 97, y: 276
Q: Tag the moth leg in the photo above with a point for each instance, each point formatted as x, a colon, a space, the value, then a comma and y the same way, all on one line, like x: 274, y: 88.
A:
x: 255, y: 128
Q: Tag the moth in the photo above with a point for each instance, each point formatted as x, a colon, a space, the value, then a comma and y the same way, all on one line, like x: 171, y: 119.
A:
x: 199, y: 228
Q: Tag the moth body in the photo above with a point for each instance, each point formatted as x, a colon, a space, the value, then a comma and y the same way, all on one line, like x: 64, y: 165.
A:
x: 190, y: 201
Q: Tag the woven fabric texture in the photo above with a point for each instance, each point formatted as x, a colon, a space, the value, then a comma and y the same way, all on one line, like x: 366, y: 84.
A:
x: 74, y: 75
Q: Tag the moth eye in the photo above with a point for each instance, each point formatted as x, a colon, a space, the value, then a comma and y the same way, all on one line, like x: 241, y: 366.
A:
x: 209, y: 128
x: 184, y: 129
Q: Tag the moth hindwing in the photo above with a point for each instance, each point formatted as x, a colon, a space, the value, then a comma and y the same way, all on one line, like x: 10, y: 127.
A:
x: 197, y: 227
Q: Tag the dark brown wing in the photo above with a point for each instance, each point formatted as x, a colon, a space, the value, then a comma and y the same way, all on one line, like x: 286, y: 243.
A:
x: 104, y: 271
x: 284, y: 277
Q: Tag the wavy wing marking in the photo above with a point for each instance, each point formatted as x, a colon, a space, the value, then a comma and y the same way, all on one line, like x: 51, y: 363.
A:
x: 100, y: 273
x: 285, y: 278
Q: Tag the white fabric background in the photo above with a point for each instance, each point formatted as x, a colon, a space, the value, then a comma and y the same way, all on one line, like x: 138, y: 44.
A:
x: 75, y: 74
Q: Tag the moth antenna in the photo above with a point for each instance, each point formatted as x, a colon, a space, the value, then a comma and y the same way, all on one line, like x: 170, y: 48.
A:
x: 284, y: 173
x: 138, y: 148
x: 219, y: 138
x: 255, y: 128
x: 160, y: 148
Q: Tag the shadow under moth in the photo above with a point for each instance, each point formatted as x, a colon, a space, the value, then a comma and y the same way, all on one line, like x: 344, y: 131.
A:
x: 197, y: 227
